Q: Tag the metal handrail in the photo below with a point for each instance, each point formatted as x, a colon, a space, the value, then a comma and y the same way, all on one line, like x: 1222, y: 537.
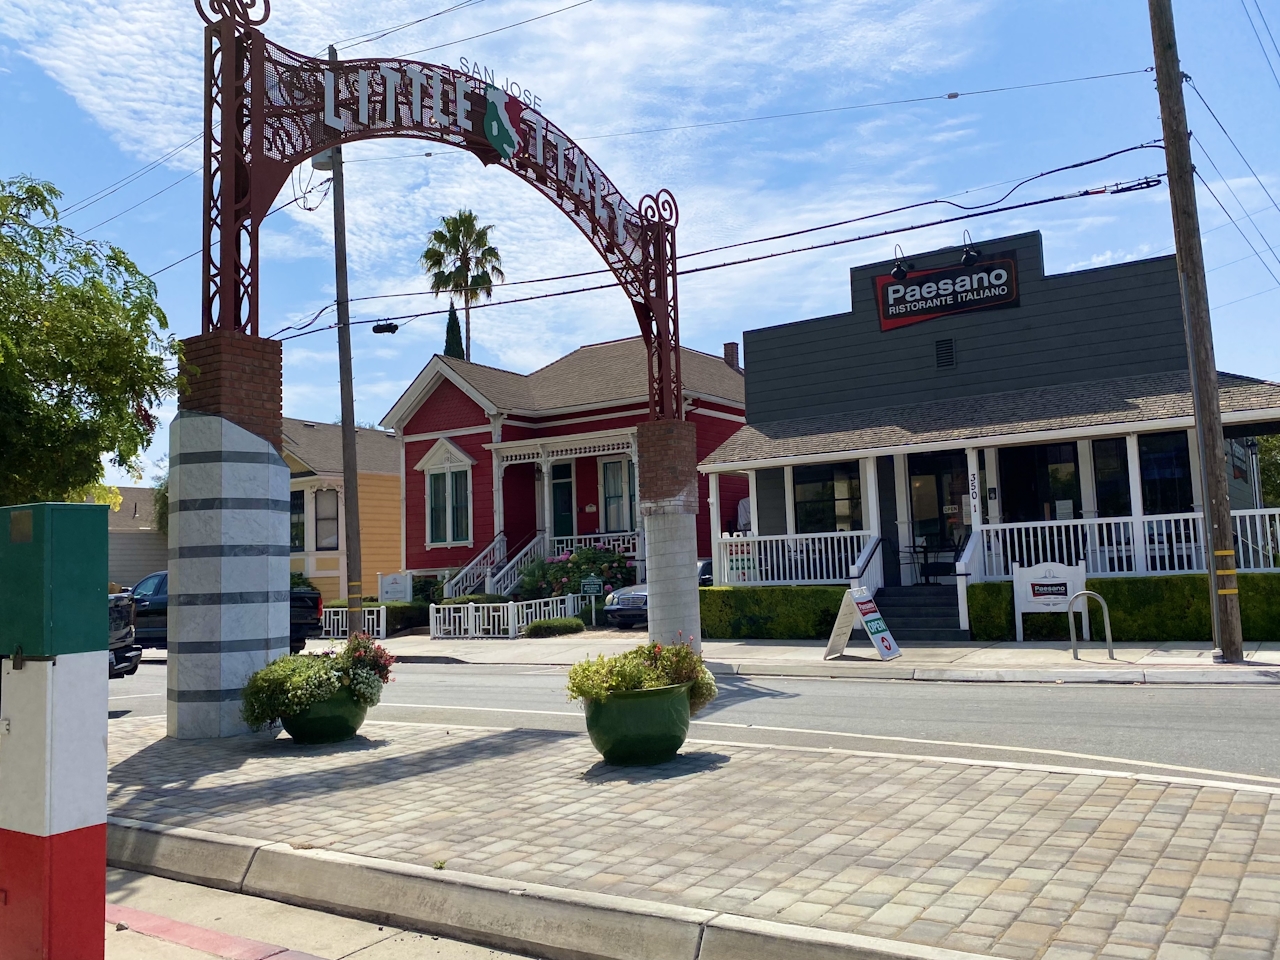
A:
x: 1071, y: 620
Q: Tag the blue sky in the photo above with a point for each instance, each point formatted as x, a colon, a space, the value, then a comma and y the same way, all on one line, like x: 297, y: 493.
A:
x: 93, y: 89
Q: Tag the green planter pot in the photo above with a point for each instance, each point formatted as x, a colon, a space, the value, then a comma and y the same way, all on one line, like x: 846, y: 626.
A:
x: 640, y: 726
x: 328, y: 721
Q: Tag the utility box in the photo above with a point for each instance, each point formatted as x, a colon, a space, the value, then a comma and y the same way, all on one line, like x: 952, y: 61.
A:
x: 53, y: 579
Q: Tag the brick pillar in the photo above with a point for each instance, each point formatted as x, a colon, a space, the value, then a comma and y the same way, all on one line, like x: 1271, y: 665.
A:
x: 668, y: 474
x: 228, y: 531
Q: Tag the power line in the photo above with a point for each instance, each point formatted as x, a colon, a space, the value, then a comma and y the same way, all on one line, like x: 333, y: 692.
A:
x: 1141, y: 184
x: 1231, y: 140
x: 863, y: 106
x: 1266, y: 56
x: 141, y: 202
x: 124, y: 181
x: 1232, y: 191
x: 1264, y: 263
x: 373, y: 35
x: 487, y: 33
x: 1267, y: 26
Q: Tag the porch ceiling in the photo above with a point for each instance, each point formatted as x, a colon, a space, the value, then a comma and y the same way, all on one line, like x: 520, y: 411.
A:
x: 1119, y: 403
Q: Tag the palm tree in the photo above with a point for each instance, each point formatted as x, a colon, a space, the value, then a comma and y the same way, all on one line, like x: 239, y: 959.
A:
x: 461, y: 261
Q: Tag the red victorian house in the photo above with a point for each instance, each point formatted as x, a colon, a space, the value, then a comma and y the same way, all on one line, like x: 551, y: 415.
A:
x: 501, y: 469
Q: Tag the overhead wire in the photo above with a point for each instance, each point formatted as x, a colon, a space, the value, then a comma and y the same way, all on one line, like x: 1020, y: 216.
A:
x: 372, y: 35
x: 1234, y: 145
x: 103, y: 223
x: 954, y: 95
x: 1142, y: 183
x: 489, y: 33
x: 1266, y: 56
x: 124, y: 181
x: 1243, y: 209
x: 1204, y: 183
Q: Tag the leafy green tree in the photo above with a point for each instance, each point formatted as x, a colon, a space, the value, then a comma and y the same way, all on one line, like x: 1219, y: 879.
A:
x: 83, y: 356
x: 461, y: 262
x: 453, y: 336
x: 1269, y: 469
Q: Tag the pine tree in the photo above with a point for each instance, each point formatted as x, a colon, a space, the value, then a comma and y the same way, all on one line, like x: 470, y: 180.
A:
x: 453, y: 336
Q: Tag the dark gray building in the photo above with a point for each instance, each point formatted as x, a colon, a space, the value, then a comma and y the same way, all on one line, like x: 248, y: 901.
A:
x: 971, y: 409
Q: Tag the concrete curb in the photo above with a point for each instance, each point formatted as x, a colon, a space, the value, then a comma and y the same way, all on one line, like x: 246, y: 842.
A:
x: 1163, y: 675
x: 536, y: 919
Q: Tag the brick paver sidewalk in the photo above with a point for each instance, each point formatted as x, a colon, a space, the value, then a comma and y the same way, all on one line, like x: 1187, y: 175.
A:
x: 1009, y: 861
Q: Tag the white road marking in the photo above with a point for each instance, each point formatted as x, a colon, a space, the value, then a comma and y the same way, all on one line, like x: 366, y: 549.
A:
x: 872, y: 736
x: 135, y: 696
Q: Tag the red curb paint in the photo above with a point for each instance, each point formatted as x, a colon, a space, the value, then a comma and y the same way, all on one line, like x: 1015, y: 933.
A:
x: 50, y: 902
x: 198, y: 938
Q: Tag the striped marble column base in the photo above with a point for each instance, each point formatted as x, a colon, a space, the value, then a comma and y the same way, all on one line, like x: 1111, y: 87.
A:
x: 228, y: 570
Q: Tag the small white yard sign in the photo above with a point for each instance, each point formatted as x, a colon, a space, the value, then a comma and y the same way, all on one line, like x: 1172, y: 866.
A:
x: 1045, y: 588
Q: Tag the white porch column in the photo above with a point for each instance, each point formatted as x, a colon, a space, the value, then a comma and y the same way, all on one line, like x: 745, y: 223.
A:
x: 992, y: 457
x: 499, y: 508
x: 548, y: 516
x: 755, y: 503
x: 1135, y: 503
x: 975, y: 489
x: 869, y: 482
x: 789, y: 492
x: 1088, y: 489
x: 902, y: 494
x: 1197, y: 487
x: 713, y: 502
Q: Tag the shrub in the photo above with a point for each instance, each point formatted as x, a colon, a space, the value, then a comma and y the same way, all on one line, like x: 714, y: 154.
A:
x: 427, y: 590
x: 299, y: 581
x: 474, y: 598
x: 554, y: 627
x: 769, y: 613
x: 647, y: 666
x: 291, y: 684
x: 1142, y: 609
x: 561, y: 575
x: 401, y: 615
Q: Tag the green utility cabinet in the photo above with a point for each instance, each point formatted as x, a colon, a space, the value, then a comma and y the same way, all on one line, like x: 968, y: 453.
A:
x: 53, y: 579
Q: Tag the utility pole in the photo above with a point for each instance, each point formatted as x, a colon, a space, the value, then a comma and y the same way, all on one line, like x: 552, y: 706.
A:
x: 350, y: 471
x: 1224, y: 595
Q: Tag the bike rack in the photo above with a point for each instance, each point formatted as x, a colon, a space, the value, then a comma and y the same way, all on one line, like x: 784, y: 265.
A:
x: 1071, y: 620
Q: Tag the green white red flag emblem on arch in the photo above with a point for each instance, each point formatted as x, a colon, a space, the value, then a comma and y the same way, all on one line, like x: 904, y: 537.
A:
x: 502, y: 121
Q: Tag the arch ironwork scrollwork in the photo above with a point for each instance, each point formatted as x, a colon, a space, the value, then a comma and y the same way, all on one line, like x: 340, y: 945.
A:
x: 268, y: 109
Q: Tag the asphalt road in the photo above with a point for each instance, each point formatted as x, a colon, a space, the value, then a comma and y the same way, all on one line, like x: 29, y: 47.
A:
x: 1202, y: 732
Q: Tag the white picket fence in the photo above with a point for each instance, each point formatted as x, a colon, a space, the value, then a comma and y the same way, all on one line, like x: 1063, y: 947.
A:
x: 449, y: 621
x: 333, y: 623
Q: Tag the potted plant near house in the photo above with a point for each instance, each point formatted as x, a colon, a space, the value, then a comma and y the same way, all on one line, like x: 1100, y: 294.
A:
x: 638, y: 703
x: 318, y: 697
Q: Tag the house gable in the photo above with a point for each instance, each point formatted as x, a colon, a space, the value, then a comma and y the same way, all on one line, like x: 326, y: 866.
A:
x: 445, y: 407
x: 444, y: 453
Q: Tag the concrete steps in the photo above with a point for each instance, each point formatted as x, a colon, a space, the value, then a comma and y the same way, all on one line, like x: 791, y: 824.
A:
x: 921, y: 613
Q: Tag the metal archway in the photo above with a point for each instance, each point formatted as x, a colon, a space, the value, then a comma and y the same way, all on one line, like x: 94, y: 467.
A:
x: 268, y: 109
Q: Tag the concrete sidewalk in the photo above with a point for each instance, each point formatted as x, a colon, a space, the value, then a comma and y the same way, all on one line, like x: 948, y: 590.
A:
x: 524, y: 839
x: 1033, y: 661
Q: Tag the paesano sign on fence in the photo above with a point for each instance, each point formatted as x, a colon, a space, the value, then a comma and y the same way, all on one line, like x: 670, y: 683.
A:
x: 928, y: 294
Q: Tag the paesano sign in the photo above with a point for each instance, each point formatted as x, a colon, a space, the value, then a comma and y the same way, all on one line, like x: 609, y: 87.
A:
x: 928, y: 294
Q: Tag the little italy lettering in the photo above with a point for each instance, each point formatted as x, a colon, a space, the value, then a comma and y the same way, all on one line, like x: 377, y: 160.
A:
x: 927, y: 294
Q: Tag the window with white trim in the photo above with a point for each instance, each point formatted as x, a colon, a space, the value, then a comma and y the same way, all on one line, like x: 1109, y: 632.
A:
x: 448, y: 494
x: 326, y: 519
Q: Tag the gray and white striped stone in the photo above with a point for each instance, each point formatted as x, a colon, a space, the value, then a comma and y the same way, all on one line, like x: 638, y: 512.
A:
x: 228, y: 570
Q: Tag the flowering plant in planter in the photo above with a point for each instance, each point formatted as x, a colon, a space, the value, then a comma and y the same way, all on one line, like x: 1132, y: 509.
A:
x: 646, y: 667
x: 562, y: 574
x: 292, y: 685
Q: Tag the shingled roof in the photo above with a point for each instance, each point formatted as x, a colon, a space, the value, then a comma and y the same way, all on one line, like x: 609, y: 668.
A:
x: 137, y: 513
x: 1162, y: 396
x: 598, y: 373
x: 319, y: 446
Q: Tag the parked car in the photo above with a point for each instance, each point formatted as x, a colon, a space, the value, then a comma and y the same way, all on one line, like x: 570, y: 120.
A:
x: 629, y: 606
x: 151, y: 612
x: 124, y: 653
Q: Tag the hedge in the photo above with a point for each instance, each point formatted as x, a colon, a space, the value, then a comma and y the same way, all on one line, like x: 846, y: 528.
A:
x: 769, y: 613
x: 1142, y: 609
x: 401, y: 614
x: 554, y: 627
x: 473, y: 598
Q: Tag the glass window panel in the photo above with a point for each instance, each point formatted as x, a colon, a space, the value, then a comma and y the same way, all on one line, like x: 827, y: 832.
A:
x: 297, y: 520
x: 1166, y: 472
x: 326, y: 519
x: 438, y: 497
x: 615, y: 497
x: 827, y: 498
x: 460, y: 506
x: 1111, y: 477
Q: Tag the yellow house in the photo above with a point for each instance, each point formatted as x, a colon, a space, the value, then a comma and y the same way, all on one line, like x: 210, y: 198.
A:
x: 317, y: 508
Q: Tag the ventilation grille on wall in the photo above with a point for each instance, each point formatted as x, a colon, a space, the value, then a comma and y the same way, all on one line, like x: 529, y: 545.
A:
x: 945, y: 351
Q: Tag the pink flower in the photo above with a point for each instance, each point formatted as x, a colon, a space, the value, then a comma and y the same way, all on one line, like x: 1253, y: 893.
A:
x: 564, y: 579
x: 608, y: 588
x: 631, y: 563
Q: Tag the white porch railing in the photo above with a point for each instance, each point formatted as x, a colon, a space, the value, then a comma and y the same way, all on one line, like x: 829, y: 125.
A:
x: 497, y: 619
x: 809, y: 558
x: 333, y: 622
x: 626, y: 542
x: 506, y: 579
x: 1127, y: 546
x: 481, y: 566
